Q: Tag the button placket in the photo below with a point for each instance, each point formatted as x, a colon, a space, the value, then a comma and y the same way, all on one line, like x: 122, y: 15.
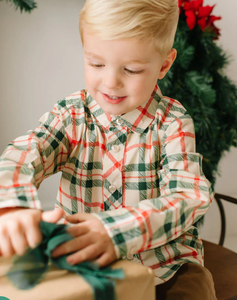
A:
x: 114, y: 176
x: 115, y: 148
x: 119, y: 122
x: 129, y: 257
x: 112, y: 188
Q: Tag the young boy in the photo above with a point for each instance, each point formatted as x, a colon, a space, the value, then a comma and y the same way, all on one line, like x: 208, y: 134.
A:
x: 131, y: 182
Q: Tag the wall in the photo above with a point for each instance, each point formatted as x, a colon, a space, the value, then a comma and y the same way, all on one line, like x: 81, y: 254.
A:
x: 41, y: 62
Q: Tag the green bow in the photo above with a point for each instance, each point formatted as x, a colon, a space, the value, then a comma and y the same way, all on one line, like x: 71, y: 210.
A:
x: 28, y: 270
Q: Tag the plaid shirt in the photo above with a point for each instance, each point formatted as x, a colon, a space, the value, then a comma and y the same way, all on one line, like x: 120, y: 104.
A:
x: 138, y: 173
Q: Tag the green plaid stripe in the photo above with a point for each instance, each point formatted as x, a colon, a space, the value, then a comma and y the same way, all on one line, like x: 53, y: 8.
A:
x: 140, y: 175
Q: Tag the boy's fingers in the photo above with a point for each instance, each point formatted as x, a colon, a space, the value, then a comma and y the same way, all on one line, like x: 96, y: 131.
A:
x: 71, y: 246
x: 33, y: 237
x: 52, y: 216
x: 6, y: 246
x: 88, y: 253
x: 78, y: 217
x: 77, y: 230
x: 103, y: 260
x: 19, y: 242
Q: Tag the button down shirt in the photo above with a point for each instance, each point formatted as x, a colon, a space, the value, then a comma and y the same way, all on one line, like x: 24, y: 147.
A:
x: 138, y: 173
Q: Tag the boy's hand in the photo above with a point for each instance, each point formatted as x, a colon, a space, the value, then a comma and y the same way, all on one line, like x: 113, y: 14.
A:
x: 20, y: 229
x: 91, y: 241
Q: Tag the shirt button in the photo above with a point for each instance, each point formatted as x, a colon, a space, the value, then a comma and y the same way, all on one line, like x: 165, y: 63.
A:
x: 115, y: 148
x: 112, y: 189
x: 119, y: 122
x: 130, y: 257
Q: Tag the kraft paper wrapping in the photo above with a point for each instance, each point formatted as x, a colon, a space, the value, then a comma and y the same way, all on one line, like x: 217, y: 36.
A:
x: 60, y: 284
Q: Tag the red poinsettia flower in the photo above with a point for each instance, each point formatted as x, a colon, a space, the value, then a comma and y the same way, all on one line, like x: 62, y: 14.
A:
x: 217, y: 32
x: 207, y: 20
x: 197, y: 13
x: 181, y: 4
x: 209, y: 23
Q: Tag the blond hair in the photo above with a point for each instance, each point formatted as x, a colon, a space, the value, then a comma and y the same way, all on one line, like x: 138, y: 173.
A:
x: 154, y: 20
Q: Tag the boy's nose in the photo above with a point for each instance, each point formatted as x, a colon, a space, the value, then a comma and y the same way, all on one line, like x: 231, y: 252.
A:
x: 112, y: 80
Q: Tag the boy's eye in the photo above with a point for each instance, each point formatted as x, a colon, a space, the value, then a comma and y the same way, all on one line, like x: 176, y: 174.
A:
x: 133, y: 72
x: 96, y: 65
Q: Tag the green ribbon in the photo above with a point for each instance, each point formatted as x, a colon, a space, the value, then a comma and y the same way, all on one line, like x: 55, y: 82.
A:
x: 28, y: 270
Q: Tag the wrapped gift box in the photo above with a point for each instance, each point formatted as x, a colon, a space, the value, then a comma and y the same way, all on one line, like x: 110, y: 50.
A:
x: 60, y: 284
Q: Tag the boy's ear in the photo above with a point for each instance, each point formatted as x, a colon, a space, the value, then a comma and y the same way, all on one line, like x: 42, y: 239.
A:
x: 170, y: 58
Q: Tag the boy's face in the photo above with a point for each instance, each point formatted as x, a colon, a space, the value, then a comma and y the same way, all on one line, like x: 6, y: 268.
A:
x: 121, y: 74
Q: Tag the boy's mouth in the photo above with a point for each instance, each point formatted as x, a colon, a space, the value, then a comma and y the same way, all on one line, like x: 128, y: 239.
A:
x: 113, y: 99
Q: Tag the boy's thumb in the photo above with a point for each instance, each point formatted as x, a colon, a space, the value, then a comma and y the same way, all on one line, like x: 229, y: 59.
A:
x: 52, y: 216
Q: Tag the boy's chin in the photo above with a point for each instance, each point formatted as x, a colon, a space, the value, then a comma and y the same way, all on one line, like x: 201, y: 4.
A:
x: 114, y: 111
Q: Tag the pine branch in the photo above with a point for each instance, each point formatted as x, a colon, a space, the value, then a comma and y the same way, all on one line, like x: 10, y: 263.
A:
x: 199, y: 88
x: 185, y: 52
x: 198, y: 81
x: 24, y: 5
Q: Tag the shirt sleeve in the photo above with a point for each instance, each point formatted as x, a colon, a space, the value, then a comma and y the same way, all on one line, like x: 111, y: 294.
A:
x: 185, y: 196
x: 29, y: 159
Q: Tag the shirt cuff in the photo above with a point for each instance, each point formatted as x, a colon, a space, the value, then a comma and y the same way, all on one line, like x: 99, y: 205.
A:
x: 124, y: 229
x: 22, y: 196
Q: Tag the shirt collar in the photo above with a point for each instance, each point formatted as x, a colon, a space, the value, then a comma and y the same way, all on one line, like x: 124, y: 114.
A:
x: 136, y: 120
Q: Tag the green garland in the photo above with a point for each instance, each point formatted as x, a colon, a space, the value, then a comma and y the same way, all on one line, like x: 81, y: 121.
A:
x: 198, y: 81
x: 24, y: 5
